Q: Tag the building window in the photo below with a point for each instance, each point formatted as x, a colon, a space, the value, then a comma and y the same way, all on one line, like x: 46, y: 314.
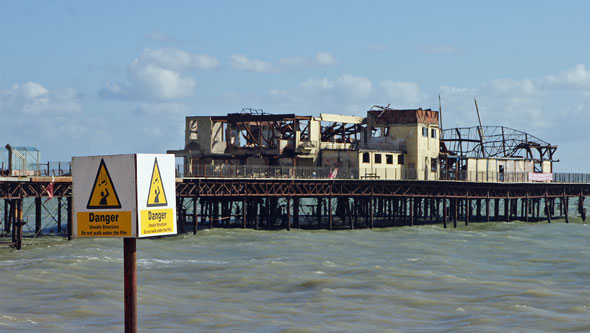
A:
x: 433, y: 163
x: 400, y: 159
x: 377, y: 158
x: 425, y: 132
x: 389, y: 159
x: 433, y: 133
x: 366, y: 158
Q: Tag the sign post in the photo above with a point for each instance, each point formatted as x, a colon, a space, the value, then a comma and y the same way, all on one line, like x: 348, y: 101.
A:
x: 124, y: 196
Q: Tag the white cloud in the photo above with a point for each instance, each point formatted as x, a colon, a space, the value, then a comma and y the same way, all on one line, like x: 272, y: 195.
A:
x: 524, y: 87
x: 344, y: 95
x: 403, y: 94
x: 161, y: 84
x: 576, y: 77
x: 325, y: 59
x: 243, y: 63
x: 159, y: 75
x: 177, y: 60
x: 356, y: 88
x: 32, y: 98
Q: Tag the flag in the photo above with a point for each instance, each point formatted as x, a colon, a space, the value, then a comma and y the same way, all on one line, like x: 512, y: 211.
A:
x: 333, y: 174
x: 49, y: 189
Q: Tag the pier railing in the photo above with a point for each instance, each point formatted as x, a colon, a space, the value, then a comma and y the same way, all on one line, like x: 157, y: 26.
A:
x: 571, y: 177
x: 250, y: 171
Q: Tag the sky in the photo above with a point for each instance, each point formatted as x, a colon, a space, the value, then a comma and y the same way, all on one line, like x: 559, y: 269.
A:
x: 109, y: 77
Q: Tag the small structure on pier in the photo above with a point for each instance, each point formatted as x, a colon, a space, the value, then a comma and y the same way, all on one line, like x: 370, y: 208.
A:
x: 19, y: 161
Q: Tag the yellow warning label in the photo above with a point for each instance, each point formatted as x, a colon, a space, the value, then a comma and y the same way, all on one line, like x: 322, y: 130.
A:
x: 103, y: 194
x: 156, y: 194
x: 157, y: 221
x: 104, y: 224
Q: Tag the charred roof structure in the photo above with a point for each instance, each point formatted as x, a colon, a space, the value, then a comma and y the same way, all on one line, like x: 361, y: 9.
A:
x: 495, y: 141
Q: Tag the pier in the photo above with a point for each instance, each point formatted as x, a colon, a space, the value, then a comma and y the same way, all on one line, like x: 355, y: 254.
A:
x: 273, y: 203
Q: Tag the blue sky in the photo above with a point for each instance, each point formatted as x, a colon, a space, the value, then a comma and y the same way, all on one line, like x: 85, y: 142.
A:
x: 108, y: 77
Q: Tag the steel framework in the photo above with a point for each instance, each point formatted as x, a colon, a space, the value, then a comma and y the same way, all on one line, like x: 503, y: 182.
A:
x: 495, y: 141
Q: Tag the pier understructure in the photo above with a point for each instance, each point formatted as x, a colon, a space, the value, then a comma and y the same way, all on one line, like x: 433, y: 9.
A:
x: 279, y: 203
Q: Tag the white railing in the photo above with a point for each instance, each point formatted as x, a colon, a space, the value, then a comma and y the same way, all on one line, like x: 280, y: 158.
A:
x: 250, y: 171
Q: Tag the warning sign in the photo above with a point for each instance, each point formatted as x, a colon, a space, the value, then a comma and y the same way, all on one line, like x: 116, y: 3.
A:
x: 156, y: 199
x: 103, y: 194
x: 156, y: 194
x: 124, y: 195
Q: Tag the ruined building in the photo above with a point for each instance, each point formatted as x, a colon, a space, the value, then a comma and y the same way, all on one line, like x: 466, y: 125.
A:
x: 386, y: 144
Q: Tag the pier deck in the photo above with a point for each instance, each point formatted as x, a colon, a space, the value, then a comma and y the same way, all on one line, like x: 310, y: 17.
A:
x: 273, y: 203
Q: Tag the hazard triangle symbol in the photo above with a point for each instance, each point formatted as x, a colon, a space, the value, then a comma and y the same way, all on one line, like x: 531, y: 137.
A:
x: 156, y: 194
x: 103, y: 194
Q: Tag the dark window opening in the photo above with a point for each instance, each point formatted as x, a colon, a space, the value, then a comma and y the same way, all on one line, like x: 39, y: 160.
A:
x: 425, y: 131
x: 400, y: 159
x: 377, y: 158
x: 433, y: 133
x: 389, y: 159
x: 366, y: 158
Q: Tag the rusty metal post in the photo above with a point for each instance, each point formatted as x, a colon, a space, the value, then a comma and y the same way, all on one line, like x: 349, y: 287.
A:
x: 355, y: 209
x: 496, y: 209
x: 13, y: 219
x: 70, y: 217
x: 288, y: 214
x: 59, y: 214
x: 319, y: 212
x: 547, y: 208
x: 395, y: 210
x: 412, y: 210
x: 296, y: 213
x: 507, y: 209
x: 37, y: 215
x: 257, y: 207
x: 244, y: 212
x: 444, y: 213
x: 130, y: 284
x: 371, y: 215
x: 467, y: 210
x: 566, y: 209
x: 195, y: 217
x: 19, y: 224
x: 581, y: 208
x: 7, y: 208
x: 330, y: 217
x: 488, y: 207
x: 455, y: 212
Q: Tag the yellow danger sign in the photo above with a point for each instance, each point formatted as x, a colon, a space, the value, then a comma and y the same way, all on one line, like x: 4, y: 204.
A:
x: 157, y: 221
x: 104, y: 224
x: 103, y: 194
x: 156, y: 194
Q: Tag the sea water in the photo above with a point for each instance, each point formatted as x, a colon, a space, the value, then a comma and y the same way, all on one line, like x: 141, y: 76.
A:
x: 483, y: 277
